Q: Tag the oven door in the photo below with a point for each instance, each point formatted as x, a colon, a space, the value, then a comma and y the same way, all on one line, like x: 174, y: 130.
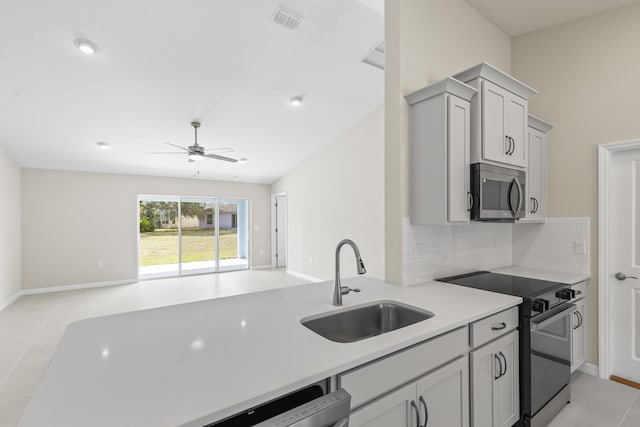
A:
x: 550, y: 355
x: 499, y: 193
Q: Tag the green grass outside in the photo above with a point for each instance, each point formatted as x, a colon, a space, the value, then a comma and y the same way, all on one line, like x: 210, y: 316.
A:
x: 161, y: 246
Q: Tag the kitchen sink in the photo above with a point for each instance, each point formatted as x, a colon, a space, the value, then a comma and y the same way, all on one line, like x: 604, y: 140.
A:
x: 358, y: 323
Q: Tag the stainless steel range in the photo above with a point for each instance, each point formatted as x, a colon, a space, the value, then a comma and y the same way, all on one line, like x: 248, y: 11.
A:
x: 545, y: 340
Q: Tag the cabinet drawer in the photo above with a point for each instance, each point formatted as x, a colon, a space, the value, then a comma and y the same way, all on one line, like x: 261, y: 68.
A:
x: 581, y: 289
x: 383, y: 375
x: 492, y: 327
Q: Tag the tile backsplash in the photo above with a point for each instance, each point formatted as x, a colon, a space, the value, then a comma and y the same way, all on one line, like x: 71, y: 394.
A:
x: 553, y: 245
x: 433, y: 251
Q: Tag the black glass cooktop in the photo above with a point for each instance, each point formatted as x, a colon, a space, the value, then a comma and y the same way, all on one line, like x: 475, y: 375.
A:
x: 502, y: 283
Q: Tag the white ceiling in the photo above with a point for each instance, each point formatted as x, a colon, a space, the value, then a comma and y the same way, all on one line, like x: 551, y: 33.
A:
x: 516, y: 17
x: 163, y: 63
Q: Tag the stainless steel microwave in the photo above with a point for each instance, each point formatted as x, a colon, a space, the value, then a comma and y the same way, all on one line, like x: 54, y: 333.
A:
x: 498, y: 193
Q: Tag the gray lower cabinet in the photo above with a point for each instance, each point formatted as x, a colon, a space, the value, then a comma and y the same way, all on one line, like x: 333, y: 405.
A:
x: 440, y: 398
x: 495, y: 396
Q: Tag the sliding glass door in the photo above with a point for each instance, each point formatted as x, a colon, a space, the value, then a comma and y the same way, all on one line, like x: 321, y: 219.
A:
x: 189, y: 235
x: 198, y: 235
x: 234, y: 234
x: 159, y: 236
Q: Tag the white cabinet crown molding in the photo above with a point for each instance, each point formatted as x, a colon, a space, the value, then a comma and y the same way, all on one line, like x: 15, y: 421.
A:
x: 448, y: 85
x: 539, y: 124
x: 491, y: 73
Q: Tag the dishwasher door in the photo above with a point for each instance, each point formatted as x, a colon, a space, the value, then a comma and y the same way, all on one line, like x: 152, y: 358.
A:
x: 330, y: 410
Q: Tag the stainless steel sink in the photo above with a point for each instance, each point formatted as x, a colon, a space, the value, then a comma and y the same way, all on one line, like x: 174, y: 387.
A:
x: 358, y: 323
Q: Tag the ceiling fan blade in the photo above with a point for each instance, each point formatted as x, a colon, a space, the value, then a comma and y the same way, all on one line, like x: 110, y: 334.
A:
x: 220, y: 149
x: 177, y: 146
x: 226, y: 159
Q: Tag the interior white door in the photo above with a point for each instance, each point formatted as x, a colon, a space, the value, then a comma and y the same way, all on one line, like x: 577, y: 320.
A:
x: 624, y: 261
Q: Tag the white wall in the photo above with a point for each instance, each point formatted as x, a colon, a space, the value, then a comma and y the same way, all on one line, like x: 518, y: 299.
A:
x: 338, y: 193
x: 10, y: 241
x: 425, y: 41
x: 73, y: 220
x: 587, y: 74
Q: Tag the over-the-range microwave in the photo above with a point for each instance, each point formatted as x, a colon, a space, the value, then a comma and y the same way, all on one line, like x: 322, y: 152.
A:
x: 498, y: 193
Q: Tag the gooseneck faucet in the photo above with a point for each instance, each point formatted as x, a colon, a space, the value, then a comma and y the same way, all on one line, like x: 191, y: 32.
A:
x: 340, y: 290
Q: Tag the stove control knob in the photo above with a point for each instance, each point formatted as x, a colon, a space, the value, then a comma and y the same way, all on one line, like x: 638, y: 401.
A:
x: 566, y: 294
x: 540, y: 305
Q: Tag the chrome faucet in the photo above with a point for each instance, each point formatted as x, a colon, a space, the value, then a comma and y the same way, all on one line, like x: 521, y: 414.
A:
x: 344, y: 290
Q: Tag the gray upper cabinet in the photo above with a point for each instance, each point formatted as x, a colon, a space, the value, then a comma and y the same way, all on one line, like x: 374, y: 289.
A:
x: 536, y: 208
x: 440, y: 131
x: 498, y: 117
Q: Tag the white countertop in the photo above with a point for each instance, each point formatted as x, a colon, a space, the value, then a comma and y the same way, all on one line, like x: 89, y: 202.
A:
x: 550, y: 275
x: 195, y: 363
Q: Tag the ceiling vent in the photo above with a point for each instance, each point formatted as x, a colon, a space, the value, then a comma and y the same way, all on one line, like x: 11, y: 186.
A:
x: 287, y: 18
x: 375, y: 58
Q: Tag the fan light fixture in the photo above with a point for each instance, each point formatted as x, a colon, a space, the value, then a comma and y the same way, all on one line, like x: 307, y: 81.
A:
x: 86, y: 46
x: 242, y: 161
x: 196, y: 157
x: 296, y: 101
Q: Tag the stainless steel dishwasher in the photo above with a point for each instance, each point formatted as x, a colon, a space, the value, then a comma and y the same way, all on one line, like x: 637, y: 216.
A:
x: 308, y: 407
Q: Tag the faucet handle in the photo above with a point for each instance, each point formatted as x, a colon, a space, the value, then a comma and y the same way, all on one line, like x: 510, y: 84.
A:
x: 344, y: 290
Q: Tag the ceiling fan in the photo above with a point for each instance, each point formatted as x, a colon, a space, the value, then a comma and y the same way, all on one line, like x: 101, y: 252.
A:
x: 197, y: 152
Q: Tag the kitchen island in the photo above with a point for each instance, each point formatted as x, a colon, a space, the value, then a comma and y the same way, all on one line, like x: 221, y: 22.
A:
x: 192, y: 364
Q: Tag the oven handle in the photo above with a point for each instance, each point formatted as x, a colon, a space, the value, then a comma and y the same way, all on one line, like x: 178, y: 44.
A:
x: 544, y: 323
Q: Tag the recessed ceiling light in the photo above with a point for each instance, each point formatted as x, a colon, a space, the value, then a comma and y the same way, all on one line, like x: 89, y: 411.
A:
x: 296, y: 101
x: 242, y: 161
x: 86, y: 46
x: 103, y: 145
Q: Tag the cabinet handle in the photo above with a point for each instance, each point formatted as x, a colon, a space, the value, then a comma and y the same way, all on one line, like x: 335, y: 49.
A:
x: 537, y: 205
x: 506, y: 137
x: 499, y: 328
x: 415, y: 408
x: 470, y: 204
x: 500, y: 370
x: 580, y: 318
x: 575, y: 313
x: 426, y: 411
x: 513, y: 146
x: 505, y: 363
x: 533, y: 206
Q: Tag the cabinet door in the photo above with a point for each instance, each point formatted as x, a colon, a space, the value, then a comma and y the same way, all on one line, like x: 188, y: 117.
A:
x: 458, y: 124
x: 536, y: 197
x: 507, y: 387
x: 394, y: 409
x: 516, y: 128
x: 443, y: 396
x: 494, y: 104
x: 578, y: 336
x: 484, y: 370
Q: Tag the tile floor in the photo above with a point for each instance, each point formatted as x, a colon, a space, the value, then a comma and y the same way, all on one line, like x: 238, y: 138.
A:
x: 31, y: 327
x: 599, y: 403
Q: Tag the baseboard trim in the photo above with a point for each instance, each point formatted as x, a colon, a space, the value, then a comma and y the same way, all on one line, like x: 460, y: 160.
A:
x: 10, y: 300
x: 77, y: 286
x: 305, y: 276
x: 262, y: 267
x: 589, y: 368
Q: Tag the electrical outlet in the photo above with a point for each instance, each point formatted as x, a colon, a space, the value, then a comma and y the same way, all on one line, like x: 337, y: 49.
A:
x: 580, y: 246
x: 415, y: 252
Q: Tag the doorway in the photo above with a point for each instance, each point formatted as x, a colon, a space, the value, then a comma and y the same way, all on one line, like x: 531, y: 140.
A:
x: 619, y: 260
x: 181, y: 236
x: 279, y: 229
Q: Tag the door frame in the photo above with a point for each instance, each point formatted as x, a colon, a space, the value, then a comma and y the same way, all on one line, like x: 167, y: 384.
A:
x: 274, y: 224
x: 605, y: 194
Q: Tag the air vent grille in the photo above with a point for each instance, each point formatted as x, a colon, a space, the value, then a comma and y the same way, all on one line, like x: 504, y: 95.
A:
x: 287, y: 18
